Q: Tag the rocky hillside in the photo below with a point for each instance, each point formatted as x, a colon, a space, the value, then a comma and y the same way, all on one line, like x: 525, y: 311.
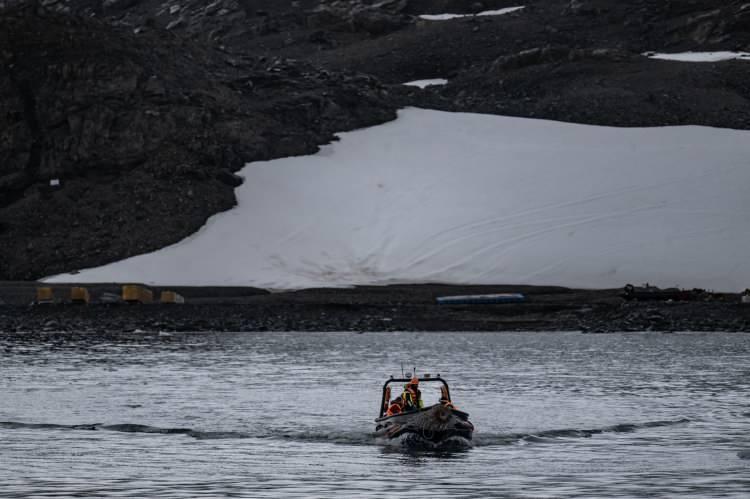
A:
x: 426, y: 49
x: 142, y: 110
x: 143, y: 132
x: 599, y: 87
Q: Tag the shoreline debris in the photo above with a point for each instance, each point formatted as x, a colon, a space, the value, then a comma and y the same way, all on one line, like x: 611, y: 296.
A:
x: 654, y: 293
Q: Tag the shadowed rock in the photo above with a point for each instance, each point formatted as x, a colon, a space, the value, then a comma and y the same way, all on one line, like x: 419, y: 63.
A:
x: 143, y: 132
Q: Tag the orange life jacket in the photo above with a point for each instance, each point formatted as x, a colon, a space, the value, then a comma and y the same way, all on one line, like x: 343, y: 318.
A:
x: 394, y: 408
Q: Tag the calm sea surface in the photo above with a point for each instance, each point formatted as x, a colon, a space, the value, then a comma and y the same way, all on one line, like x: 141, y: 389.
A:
x: 291, y: 415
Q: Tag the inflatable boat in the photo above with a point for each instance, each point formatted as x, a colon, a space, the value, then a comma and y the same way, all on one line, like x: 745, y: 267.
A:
x: 439, y: 426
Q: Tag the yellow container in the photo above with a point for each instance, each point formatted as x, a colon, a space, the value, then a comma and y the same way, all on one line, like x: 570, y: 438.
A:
x: 170, y: 297
x: 45, y: 295
x: 137, y: 294
x: 80, y: 295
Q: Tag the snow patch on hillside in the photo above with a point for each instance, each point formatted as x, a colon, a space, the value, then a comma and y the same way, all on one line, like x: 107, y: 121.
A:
x: 426, y: 83
x: 446, y: 17
x: 467, y: 198
x: 700, y: 56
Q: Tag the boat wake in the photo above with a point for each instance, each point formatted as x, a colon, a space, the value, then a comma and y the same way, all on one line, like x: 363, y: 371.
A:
x: 354, y: 437
x: 483, y: 440
x: 127, y: 428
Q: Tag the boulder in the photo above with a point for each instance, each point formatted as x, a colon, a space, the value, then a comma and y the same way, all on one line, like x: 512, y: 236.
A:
x: 112, y: 6
x: 231, y: 179
x: 375, y: 19
x: 581, y: 7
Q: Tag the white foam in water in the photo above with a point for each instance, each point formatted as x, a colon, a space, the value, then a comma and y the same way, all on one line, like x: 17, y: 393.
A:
x: 469, y: 198
x: 446, y: 17
x: 700, y: 56
x: 426, y: 83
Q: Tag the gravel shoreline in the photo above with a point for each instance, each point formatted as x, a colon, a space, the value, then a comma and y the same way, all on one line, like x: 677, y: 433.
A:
x: 375, y: 309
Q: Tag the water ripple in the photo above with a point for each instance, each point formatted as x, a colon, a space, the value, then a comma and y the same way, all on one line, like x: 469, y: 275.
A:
x: 291, y: 415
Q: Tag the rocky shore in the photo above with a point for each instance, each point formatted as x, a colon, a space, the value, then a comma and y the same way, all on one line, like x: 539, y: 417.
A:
x: 375, y: 309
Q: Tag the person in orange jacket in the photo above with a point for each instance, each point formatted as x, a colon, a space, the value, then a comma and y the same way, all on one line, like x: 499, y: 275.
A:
x: 396, y: 406
x: 409, y: 400
x: 411, y: 396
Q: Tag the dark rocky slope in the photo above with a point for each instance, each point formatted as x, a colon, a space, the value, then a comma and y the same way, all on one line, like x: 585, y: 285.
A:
x: 428, y: 49
x: 143, y: 133
x: 600, y: 87
x: 144, y: 108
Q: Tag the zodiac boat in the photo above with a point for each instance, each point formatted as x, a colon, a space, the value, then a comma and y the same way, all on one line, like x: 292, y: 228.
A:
x: 435, y: 427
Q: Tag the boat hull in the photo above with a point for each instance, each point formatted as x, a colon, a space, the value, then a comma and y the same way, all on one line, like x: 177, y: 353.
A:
x: 435, y: 427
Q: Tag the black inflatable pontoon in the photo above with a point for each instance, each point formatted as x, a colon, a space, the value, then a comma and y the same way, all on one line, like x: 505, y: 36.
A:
x: 438, y: 425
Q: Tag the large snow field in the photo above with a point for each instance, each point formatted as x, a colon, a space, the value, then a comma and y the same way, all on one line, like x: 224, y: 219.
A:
x: 468, y: 198
x: 701, y: 56
x: 446, y: 17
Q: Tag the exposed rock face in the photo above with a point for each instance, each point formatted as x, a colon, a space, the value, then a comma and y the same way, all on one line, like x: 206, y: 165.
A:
x: 374, y: 18
x: 676, y: 22
x: 601, y: 87
x: 221, y: 22
x: 142, y: 133
x: 445, y: 49
x: 237, y: 23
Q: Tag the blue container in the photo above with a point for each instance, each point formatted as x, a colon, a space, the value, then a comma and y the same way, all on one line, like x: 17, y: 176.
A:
x: 481, y: 299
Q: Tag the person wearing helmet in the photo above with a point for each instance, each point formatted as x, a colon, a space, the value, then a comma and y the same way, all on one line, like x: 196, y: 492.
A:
x: 412, y: 397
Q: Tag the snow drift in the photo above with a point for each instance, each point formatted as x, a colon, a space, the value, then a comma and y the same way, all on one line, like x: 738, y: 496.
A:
x: 701, y: 56
x: 447, y: 17
x: 468, y: 198
x: 426, y: 83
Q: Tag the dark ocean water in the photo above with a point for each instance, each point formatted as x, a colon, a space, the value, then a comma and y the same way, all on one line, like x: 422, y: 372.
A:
x: 291, y: 415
